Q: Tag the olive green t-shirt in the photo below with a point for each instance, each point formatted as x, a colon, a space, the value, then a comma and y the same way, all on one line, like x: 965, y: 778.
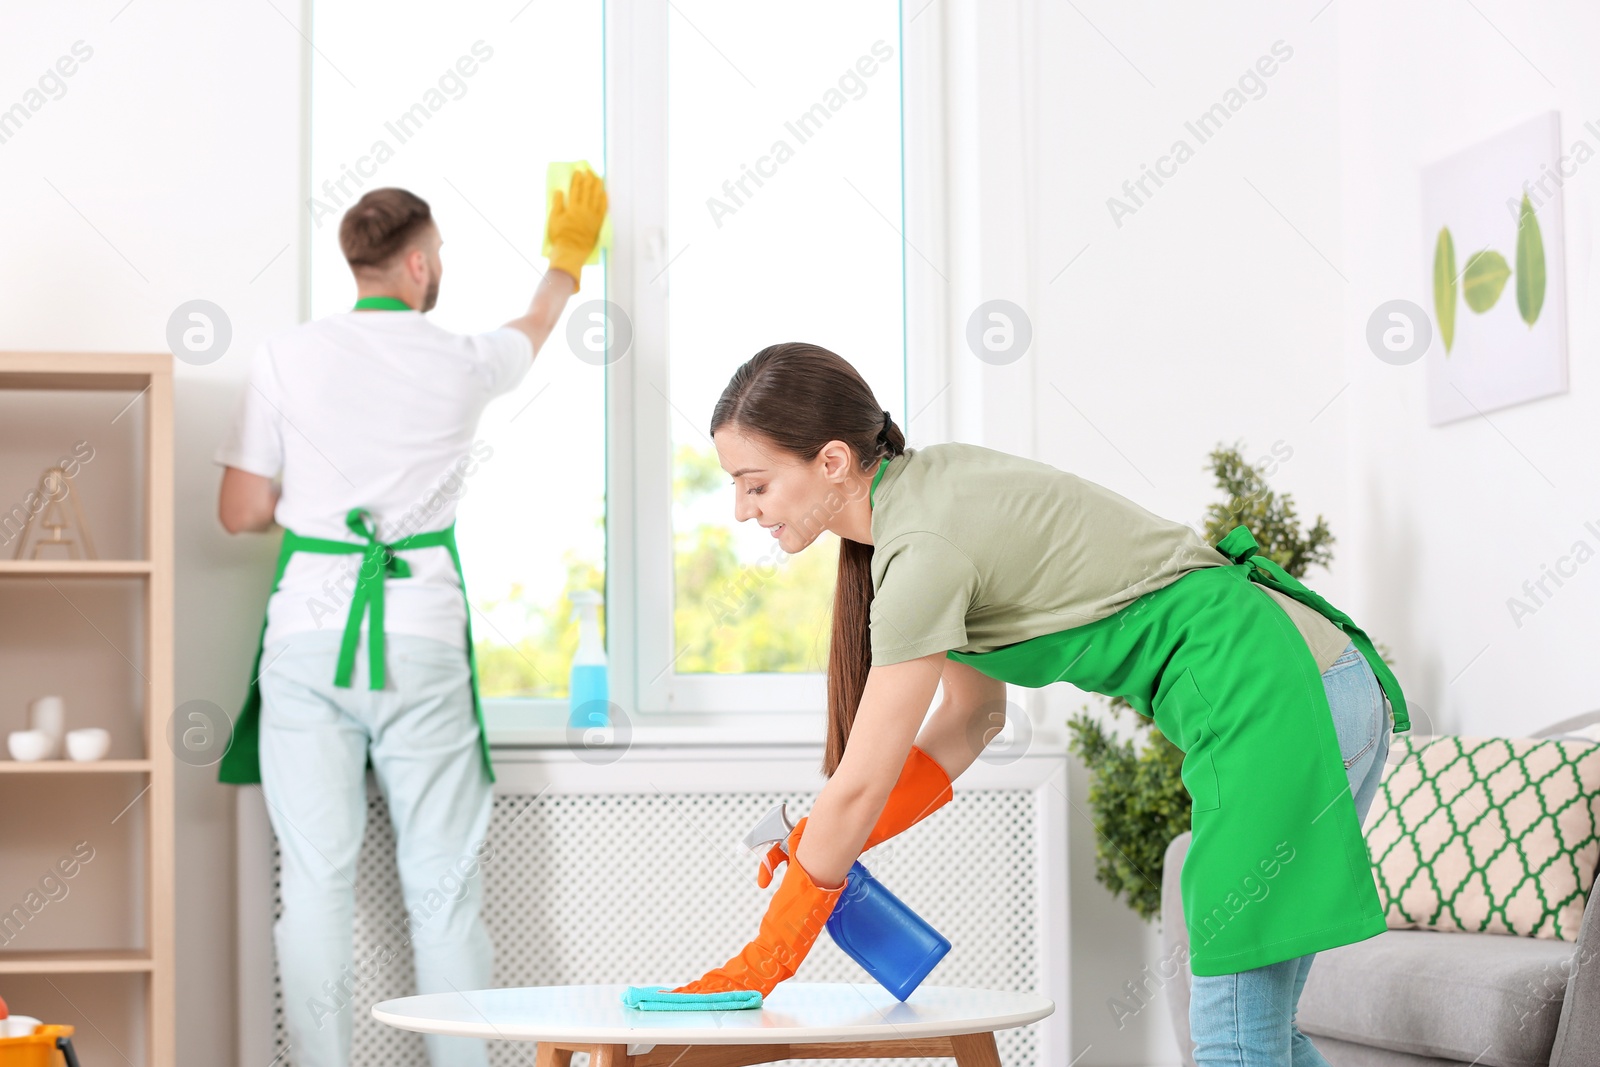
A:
x: 975, y: 549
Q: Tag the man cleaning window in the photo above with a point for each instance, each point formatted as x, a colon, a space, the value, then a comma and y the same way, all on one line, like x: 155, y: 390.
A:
x: 356, y: 434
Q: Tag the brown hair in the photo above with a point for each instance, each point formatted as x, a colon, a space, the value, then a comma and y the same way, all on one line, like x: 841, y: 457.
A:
x: 801, y: 396
x: 380, y: 226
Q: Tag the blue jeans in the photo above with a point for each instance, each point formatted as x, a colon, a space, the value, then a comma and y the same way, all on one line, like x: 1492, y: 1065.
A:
x: 1247, y: 1019
x: 422, y: 736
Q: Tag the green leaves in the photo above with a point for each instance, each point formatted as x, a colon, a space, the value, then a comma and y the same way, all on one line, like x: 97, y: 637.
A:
x: 1486, y: 273
x: 1530, y: 263
x: 1444, y: 286
x: 1483, y: 279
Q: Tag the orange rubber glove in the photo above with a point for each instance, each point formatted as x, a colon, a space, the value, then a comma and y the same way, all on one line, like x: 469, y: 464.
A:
x: 922, y: 789
x: 795, y: 917
x: 574, y: 223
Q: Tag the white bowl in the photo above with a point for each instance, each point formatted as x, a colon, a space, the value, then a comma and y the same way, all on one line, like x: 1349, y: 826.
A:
x: 29, y: 745
x: 89, y: 743
x: 18, y: 1025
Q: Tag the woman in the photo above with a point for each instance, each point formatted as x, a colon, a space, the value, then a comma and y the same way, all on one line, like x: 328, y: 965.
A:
x: 972, y: 568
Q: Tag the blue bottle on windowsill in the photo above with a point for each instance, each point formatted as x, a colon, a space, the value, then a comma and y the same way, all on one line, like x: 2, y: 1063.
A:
x: 589, y: 707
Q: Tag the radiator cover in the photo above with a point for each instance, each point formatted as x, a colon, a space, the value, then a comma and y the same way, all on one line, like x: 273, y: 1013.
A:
x: 577, y: 851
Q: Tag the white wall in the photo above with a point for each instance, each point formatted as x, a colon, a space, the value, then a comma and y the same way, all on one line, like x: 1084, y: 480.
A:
x: 1449, y: 522
x: 1211, y: 314
x: 168, y: 170
x: 1234, y: 303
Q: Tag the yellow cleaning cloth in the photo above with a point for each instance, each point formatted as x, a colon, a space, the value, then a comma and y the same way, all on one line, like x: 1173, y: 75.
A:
x: 558, y: 178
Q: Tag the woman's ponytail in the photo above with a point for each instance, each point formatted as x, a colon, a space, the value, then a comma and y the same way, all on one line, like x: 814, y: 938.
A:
x: 800, y: 397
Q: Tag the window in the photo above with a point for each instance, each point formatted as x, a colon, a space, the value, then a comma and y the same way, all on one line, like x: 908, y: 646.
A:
x: 466, y: 111
x: 783, y: 215
x: 755, y: 163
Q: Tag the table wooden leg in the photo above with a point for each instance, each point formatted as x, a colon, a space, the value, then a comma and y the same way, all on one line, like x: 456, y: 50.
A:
x: 969, y: 1050
x: 975, y: 1050
x: 617, y: 1056
x: 548, y: 1055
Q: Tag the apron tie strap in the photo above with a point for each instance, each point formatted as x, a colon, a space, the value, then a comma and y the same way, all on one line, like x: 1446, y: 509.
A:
x: 1241, y: 547
x: 378, y: 562
x: 241, y: 762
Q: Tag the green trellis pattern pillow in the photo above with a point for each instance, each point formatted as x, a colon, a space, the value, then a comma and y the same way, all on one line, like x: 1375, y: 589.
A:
x: 1487, y: 834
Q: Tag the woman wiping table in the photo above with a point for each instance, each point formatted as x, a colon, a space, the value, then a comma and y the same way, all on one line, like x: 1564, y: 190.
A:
x: 972, y: 568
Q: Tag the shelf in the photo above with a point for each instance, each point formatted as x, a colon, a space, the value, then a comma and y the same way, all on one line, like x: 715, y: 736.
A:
x: 73, y: 568
x: 76, y: 961
x: 122, y: 604
x: 67, y: 766
x: 81, y: 370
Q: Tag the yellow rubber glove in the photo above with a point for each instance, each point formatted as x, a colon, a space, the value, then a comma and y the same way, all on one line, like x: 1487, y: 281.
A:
x: 574, y: 223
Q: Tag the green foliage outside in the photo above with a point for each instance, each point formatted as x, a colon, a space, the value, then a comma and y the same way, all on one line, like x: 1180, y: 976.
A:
x: 730, y: 616
x: 1136, y: 797
x: 539, y: 665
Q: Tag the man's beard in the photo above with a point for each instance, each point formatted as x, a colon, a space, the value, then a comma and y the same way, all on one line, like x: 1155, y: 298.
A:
x: 433, y: 294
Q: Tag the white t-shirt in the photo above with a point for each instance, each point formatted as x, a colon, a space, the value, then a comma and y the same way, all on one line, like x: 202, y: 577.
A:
x: 373, y: 409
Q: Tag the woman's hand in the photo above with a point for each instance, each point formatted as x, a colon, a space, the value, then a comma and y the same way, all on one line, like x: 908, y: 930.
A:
x: 795, y: 917
x: 893, y: 705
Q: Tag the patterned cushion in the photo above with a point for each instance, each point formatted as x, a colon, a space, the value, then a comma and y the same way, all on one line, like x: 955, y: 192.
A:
x: 1487, y: 834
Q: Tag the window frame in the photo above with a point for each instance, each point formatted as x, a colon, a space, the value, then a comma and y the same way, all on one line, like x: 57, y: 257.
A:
x: 639, y: 476
x: 639, y: 561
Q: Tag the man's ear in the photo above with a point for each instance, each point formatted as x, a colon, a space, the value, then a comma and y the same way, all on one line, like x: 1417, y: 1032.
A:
x: 417, y: 265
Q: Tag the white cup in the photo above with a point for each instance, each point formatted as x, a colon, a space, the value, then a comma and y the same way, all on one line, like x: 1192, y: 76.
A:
x: 48, y: 715
x: 29, y: 746
x: 19, y: 1026
x: 89, y: 743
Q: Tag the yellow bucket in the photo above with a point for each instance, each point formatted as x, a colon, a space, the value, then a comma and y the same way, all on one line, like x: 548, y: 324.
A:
x: 36, y: 1050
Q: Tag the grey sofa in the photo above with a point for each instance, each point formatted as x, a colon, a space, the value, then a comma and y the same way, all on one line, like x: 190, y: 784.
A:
x: 1424, y: 998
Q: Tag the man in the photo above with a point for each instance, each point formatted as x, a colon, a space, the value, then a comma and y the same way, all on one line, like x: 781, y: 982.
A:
x: 365, y: 421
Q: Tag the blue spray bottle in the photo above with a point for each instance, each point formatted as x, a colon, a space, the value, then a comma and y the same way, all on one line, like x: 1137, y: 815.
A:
x: 587, y: 692
x: 873, y: 926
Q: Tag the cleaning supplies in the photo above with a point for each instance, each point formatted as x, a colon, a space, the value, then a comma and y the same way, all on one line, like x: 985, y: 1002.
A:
x: 892, y: 943
x: 589, y: 699
x: 558, y: 178
x: 656, y: 998
x: 26, y: 1042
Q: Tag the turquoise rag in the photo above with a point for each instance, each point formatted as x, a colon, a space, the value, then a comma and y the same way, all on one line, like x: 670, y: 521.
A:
x: 653, y: 998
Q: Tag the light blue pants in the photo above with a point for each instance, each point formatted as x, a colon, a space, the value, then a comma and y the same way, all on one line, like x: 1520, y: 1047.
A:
x: 1247, y: 1019
x: 422, y: 737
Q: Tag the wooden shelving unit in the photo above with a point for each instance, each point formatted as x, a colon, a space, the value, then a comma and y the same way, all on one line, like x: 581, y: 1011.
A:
x: 76, y: 961
x: 133, y: 988
x: 66, y: 766
x: 73, y: 568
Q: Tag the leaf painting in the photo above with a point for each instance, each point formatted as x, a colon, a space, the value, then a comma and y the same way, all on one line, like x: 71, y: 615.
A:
x: 1530, y: 264
x: 1444, y: 286
x: 1484, y: 279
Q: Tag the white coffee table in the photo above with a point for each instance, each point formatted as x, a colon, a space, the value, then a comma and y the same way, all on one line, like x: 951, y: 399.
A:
x: 798, y: 1020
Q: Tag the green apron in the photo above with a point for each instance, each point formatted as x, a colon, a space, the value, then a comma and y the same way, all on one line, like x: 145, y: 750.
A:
x: 1277, y: 867
x: 241, y: 763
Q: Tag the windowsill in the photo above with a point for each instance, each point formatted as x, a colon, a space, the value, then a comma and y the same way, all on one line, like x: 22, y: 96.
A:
x: 543, y: 724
